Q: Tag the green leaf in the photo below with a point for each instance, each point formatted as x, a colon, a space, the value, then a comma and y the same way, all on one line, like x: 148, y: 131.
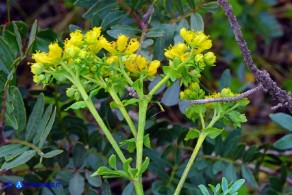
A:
x: 8, y: 149
x: 155, y: 32
x: 191, y: 4
x: 11, y: 121
x: 237, y: 185
x: 94, y: 181
x: 212, y: 132
x: 18, y: 38
x: 43, y: 39
x: 284, y: 143
x: 123, y: 29
x: 130, y: 101
x: 45, y: 133
x: 77, y: 105
x: 197, y: 23
x: 144, y: 166
x: 146, y: 141
x: 112, y: 161
x: 126, y: 165
x: 248, y: 176
x: 283, y: 120
x: 224, y: 184
x: 225, y: 79
x: 23, y: 158
x: 113, y: 18
x: 129, y: 189
x: 76, y: 184
x: 192, y: 134
x: 19, y: 109
x: 204, y: 190
x: 171, y: 95
x: 32, y: 37
x: 7, y: 56
x: 179, y: 6
x: 106, y: 190
x: 85, y: 3
x: 79, y: 155
x: 211, y: 7
x: 35, y: 118
x: 16, y: 152
x: 52, y: 153
x: 157, y: 51
x: 42, y: 124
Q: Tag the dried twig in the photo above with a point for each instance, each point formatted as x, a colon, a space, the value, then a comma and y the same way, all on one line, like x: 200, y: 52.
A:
x: 262, y: 76
x: 229, y: 99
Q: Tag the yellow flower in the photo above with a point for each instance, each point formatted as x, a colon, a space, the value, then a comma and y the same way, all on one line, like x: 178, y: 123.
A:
x: 153, y: 66
x: 133, y: 46
x: 76, y: 38
x: 121, y: 45
x: 141, y: 62
x: 95, y: 48
x: 71, y: 50
x: 52, y: 57
x: 177, y: 51
x: 136, y: 64
x: 91, y: 36
x: 112, y: 59
x: 122, y: 42
x: 197, y: 40
x: 110, y: 47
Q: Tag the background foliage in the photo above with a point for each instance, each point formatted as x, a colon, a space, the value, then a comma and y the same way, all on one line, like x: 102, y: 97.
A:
x: 259, y: 151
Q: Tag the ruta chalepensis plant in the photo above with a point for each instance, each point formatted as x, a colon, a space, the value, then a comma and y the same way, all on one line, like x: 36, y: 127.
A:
x: 80, y: 62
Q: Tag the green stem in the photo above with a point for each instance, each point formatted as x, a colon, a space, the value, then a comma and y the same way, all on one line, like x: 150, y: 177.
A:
x: 126, y: 76
x: 143, y: 104
x: 202, y: 120
x: 158, y: 85
x: 93, y: 111
x: 190, y: 163
x: 16, y: 141
x: 99, y: 120
x: 8, y: 11
x: 138, y: 187
x: 123, y: 111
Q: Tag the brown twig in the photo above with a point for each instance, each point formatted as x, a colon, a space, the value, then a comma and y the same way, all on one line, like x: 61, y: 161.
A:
x: 262, y: 76
x: 229, y: 99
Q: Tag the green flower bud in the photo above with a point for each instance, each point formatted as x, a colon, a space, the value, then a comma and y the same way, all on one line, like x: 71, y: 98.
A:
x: 37, y: 68
x: 36, y: 79
x: 199, y: 58
x: 209, y: 58
x: 82, y: 54
x: 42, y: 77
x: 70, y: 92
x: 77, y: 95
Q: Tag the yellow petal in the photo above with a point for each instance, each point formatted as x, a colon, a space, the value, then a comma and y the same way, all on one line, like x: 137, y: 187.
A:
x: 153, y: 66
x: 122, y: 42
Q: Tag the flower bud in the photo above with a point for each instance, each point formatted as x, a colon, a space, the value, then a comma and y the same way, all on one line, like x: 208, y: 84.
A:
x: 209, y: 58
x: 37, y: 68
x: 70, y: 92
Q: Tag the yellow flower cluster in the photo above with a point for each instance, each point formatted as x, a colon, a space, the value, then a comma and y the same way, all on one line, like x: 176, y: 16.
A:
x: 177, y: 51
x: 121, y: 46
x: 197, y: 40
x: 136, y: 64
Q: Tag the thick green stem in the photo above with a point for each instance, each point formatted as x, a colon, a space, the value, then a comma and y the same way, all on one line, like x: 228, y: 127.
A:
x: 138, y: 187
x: 190, y: 163
x: 123, y: 111
x: 99, y: 120
x: 140, y: 136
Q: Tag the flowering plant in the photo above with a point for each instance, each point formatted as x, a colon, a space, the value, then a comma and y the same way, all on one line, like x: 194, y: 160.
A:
x: 79, y: 63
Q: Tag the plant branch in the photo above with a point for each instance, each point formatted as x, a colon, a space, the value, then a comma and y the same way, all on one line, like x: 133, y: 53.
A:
x: 229, y: 99
x: 262, y: 76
